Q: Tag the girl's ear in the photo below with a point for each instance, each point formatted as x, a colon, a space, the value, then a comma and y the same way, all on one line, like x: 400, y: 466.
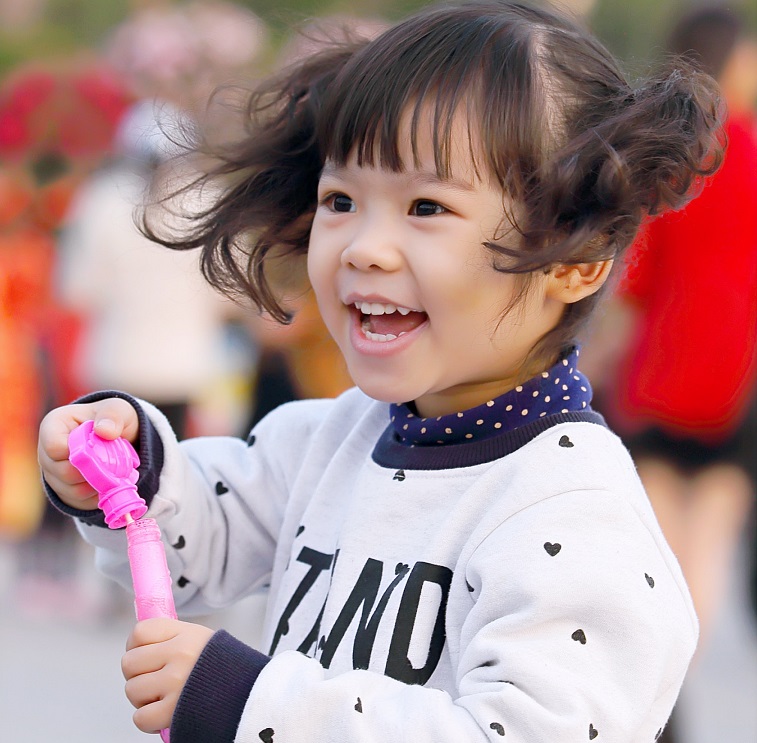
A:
x: 569, y: 283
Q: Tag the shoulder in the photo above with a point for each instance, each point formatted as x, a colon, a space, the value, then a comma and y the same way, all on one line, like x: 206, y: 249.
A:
x: 738, y: 170
x: 576, y: 473
x: 577, y: 455
x: 340, y: 416
x: 575, y: 489
x: 742, y: 132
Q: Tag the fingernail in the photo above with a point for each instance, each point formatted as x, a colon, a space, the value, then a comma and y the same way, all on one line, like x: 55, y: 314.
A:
x: 105, y: 427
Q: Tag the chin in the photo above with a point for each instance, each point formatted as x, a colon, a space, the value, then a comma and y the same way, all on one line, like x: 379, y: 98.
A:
x: 378, y: 393
x: 382, y: 392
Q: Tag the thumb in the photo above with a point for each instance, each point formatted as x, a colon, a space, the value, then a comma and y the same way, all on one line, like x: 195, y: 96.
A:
x: 114, y: 417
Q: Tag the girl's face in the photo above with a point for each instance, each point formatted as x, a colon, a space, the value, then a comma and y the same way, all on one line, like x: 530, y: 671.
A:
x: 407, y: 289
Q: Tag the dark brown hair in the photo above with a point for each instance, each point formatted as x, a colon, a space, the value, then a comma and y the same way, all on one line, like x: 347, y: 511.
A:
x: 583, y: 155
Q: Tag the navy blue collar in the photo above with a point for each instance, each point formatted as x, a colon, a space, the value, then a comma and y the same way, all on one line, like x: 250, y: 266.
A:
x: 390, y: 453
x: 490, y: 431
x: 561, y: 389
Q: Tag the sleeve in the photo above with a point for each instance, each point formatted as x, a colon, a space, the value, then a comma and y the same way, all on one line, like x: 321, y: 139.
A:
x: 577, y: 627
x: 582, y: 624
x: 220, y: 503
x: 216, y: 691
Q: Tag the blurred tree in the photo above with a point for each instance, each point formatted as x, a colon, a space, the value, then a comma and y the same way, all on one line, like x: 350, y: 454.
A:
x: 89, y: 20
x: 635, y: 31
x: 50, y: 28
x: 34, y: 29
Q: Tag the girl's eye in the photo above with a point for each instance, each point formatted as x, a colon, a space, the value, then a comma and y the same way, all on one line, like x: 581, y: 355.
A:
x: 342, y: 203
x: 423, y: 208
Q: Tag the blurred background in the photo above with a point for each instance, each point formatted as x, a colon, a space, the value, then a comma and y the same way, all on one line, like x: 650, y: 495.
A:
x: 86, y: 89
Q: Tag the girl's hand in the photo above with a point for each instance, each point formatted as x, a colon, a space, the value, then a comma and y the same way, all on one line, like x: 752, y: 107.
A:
x: 113, y: 417
x: 160, y: 654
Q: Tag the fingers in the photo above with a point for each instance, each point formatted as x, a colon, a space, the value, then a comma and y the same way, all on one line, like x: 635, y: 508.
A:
x: 160, y: 655
x: 115, y: 417
x: 156, y: 643
x: 152, y: 631
x: 154, y: 701
x: 60, y: 474
x: 148, y: 687
x: 165, y: 641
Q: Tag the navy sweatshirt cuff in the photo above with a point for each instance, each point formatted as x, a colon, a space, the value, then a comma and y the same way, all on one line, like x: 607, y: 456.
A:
x: 214, y: 697
x: 150, y: 450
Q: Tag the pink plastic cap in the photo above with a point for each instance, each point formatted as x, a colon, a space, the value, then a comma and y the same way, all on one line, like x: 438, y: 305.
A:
x: 110, y: 467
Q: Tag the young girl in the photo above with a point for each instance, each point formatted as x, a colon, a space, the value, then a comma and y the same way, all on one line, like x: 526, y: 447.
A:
x: 458, y: 549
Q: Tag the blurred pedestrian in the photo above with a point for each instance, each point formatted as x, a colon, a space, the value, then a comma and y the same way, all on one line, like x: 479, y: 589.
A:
x: 153, y: 327
x: 151, y: 324
x: 685, y: 321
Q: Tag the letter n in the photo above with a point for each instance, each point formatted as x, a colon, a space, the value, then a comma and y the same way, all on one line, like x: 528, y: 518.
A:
x: 364, y: 593
x: 398, y: 664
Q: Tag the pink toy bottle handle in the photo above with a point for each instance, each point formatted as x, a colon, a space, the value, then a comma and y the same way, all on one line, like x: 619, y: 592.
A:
x: 110, y: 467
x: 150, y: 575
x: 149, y: 571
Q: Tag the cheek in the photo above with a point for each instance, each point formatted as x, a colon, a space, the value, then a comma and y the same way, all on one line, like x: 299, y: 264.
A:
x: 317, y: 260
x: 312, y: 267
x: 472, y: 289
x: 323, y: 266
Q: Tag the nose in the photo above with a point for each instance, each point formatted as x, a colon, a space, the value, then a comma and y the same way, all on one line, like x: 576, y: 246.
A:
x: 374, y: 246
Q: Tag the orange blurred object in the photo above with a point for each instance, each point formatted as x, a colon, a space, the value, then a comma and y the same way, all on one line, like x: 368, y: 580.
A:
x: 16, y: 196
x: 25, y: 266
x: 57, y: 123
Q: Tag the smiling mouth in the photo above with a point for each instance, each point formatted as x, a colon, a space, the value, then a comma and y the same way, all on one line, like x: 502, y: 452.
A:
x: 387, y: 322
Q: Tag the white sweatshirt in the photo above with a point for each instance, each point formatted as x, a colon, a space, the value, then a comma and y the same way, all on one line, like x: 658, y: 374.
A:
x: 517, y: 588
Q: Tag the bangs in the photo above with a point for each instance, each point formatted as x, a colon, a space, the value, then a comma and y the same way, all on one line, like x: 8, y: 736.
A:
x: 433, y: 69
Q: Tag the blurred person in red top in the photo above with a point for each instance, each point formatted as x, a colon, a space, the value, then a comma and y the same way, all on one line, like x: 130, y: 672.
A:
x: 685, y: 319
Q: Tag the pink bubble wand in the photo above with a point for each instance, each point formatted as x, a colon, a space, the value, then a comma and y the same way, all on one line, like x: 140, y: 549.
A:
x: 110, y: 467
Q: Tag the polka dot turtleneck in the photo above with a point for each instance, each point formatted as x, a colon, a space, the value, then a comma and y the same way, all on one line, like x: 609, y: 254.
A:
x: 561, y: 389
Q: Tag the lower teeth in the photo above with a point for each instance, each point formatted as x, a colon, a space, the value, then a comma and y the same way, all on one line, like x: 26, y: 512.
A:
x: 378, y: 337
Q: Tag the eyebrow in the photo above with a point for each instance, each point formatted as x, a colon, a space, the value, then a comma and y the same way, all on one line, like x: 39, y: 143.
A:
x: 424, y: 178
x: 419, y: 177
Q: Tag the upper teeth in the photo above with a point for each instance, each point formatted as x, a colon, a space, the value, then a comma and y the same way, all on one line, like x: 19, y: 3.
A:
x: 376, y: 308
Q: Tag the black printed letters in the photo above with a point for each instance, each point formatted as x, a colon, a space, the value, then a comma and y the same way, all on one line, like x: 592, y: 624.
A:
x: 367, y: 604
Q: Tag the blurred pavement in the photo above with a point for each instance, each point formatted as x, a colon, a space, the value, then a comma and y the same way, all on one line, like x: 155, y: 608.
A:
x: 60, y: 678
x: 719, y: 700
